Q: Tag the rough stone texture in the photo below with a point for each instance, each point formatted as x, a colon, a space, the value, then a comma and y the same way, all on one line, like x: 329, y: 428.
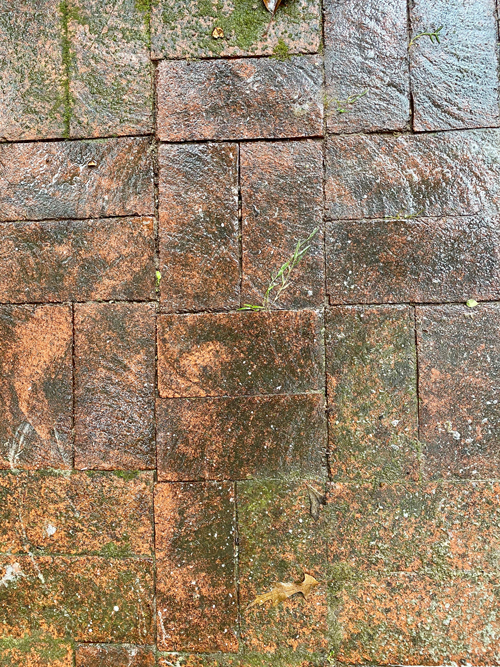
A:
x: 77, y: 179
x: 77, y: 260
x: 450, y: 173
x: 247, y: 659
x: 36, y: 650
x: 114, y: 386
x: 199, y: 228
x: 455, y: 83
x: 184, y: 29
x: 424, y: 259
x: 102, y: 655
x: 239, y: 99
x: 235, y: 438
x: 195, y: 551
x: 35, y: 387
x: 459, y: 376
x: 366, y: 49
x: 282, y: 199
x: 372, y: 382
x: 219, y: 354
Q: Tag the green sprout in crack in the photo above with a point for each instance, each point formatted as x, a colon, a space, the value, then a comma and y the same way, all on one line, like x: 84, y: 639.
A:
x: 404, y: 216
x: 343, y: 106
x: 157, y: 281
x: 433, y: 36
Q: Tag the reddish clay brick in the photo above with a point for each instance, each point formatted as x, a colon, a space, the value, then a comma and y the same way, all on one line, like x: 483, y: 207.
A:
x: 439, y: 174
x: 459, y: 371
x: 429, y: 259
x: 454, y: 83
x: 282, y: 202
x: 239, y: 99
x: 77, y: 260
x: 102, y: 655
x: 286, y: 659
x: 371, y: 379
x: 263, y: 436
x: 366, y: 51
x: 114, y: 385
x: 35, y: 387
x: 199, y: 229
x: 76, y: 179
x: 37, y: 650
x: 196, y: 591
x: 222, y: 354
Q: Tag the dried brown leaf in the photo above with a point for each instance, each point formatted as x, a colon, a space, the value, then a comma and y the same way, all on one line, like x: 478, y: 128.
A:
x: 316, y: 499
x: 283, y: 591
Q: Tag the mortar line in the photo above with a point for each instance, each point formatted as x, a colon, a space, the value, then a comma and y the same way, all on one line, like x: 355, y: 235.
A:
x: 69, y: 219
x: 240, y: 226
x: 244, y: 56
x: 410, y: 87
x: 417, y: 382
x: 237, y: 565
x: 73, y: 388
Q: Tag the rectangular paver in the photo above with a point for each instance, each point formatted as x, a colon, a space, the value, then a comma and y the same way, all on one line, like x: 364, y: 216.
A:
x: 40, y: 649
x: 107, y: 655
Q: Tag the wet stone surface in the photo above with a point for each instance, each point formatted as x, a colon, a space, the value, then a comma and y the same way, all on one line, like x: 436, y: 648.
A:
x: 37, y: 649
x: 102, y: 655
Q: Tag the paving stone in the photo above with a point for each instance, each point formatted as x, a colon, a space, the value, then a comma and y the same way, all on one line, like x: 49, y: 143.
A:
x: 35, y: 387
x: 450, y: 173
x: 425, y: 259
x: 77, y: 260
x: 256, y: 98
x: 286, y: 659
x: 454, y: 83
x: 114, y: 385
x: 282, y: 200
x: 235, y: 438
x: 76, y: 179
x: 195, y: 556
x: 199, y: 227
x: 102, y: 655
x: 459, y: 374
x: 366, y: 49
x: 38, y: 650
x: 222, y: 354
x: 91, y: 599
x: 184, y: 29
x: 371, y: 381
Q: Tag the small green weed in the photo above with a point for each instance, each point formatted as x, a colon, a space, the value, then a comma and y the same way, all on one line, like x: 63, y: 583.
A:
x: 404, y: 216
x: 433, y: 36
x: 281, y: 51
x: 344, y: 106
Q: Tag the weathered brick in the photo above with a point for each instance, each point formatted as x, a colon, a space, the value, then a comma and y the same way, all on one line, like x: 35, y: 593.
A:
x: 285, y: 659
x: 114, y: 385
x: 77, y: 260
x: 266, y: 436
x: 428, y: 259
x: 36, y: 650
x: 184, y: 29
x: 454, y: 83
x: 371, y: 380
x: 282, y: 202
x: 35, y: 387
x: 239, y: 99
x: 196, y: 590
x: 449, y: 173
x: 76, y: 179
x: 199, y: 228
x: 219, y: 354
x: 459, y: 372
x: 366, y: 49
x: 102, y: 655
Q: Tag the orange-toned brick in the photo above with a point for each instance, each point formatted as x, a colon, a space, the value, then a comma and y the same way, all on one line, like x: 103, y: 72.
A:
x: 36, y: 650
x: 106, y: 655
x: 246, y: 659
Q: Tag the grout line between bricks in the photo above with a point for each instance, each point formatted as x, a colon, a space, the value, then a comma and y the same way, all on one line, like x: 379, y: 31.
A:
x: 240, y: 226
x: 417, y: 382
x: 237, y: 565
x: 73, y: 392
x: 29, y: 221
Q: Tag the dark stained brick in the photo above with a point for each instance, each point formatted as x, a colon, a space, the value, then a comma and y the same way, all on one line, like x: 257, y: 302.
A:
x: 35, y: 387
x: 371, y: 381
x: 219, y: 354
x: 76, y: 179
x: 36, y: 650
x: 77, y: 260
x: 235, y: 438
x: 366, y: 49
x: 439, y: 174
x: 102, y: 655
x: 459, y: 375
x: 114, y: 386
x: 199, y: 229
x: 427, y: 259
x: 282, y: 200
x: 454, y: 83
x: 196, y: 591
x: 239, y: 99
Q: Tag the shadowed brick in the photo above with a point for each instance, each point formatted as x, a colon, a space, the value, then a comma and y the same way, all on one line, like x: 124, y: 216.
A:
x: 36, y: 650
x: 114, y: 386
x: 102, y: 655
x: 366, y: 49
x: 199, y: 229
x: 219, y: 354
x: 234, y: 438
x: 459, y: 375
x: 196, y: 592
x: 427, y: 259
x: 77, y: 179
x: 282, y: 200
x: 77, y: 260
x: 435, y: 174
x: 239, y: 99
x: 35, y: 387
x: 454, y: 83
x: 371, y: 379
